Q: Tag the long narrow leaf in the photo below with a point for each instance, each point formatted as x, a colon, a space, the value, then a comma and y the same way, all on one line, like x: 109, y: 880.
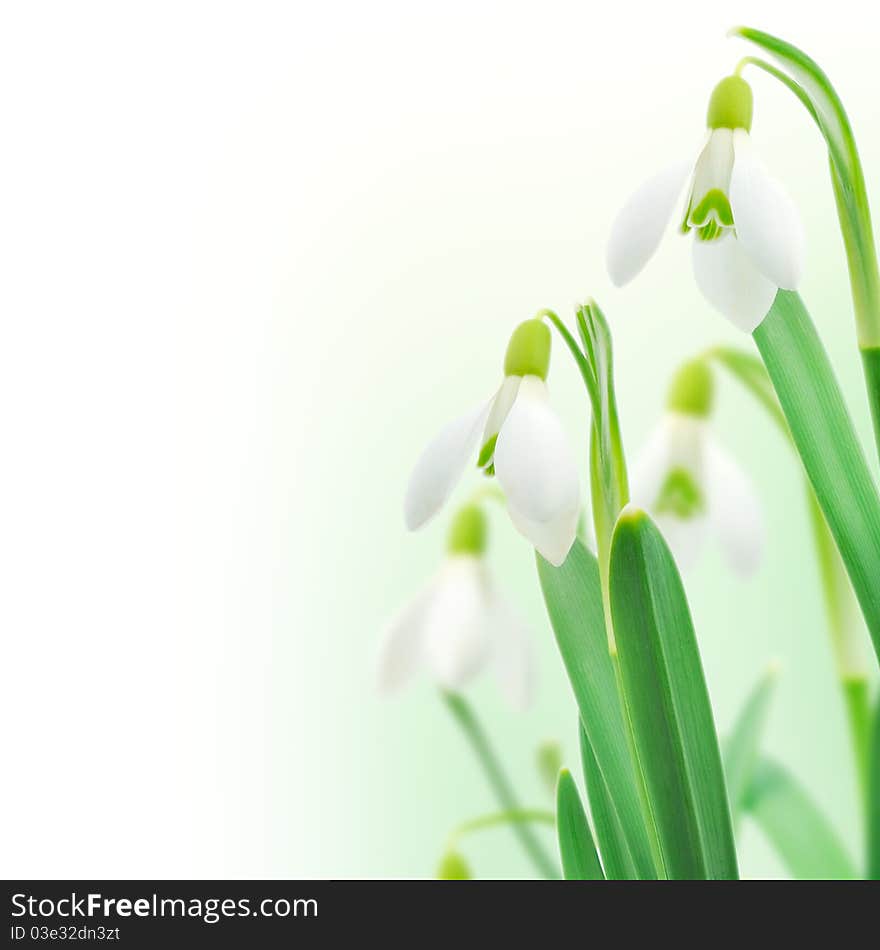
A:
x: 668, y: 704
x: 827, y: 444
x: 741, y: 748
x: 617, y: 859
x: 874, y: 798
x: 574, y: 603
x: 798, y: 830
x: 576, y: 847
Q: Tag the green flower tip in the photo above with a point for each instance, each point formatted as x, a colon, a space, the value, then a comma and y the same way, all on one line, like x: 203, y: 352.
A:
x: 468, y: 531
x: 453, y: 867
x: 730, y: 106
x: 692, y: 390
x: 528, y: 353
x: 549, y: 762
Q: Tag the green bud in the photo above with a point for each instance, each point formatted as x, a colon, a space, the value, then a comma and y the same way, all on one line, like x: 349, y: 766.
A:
x: 528, y: 353
x: 549, y: 763
x: 468, y: 531
x: 692, y: 390
x: 453, y: 867
x: 730, y: 106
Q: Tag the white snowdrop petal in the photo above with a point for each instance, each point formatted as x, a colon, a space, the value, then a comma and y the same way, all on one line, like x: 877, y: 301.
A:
x: 513, y: 660
x: 734, y: 509
x: 640, y: 224
x: 501, y: 406
x: 400, y: 650
x: 768, y: 224
x: 534, y: 463
x: 551, y: 539
x: 457, y: 625
x: 441, y: 465
x: 651, y: 466
x: 686, y: 537
x: 730, y: 281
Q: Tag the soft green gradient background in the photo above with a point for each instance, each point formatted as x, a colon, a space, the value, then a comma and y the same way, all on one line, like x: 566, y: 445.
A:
x: 256, y: 254
x: 464, y: 216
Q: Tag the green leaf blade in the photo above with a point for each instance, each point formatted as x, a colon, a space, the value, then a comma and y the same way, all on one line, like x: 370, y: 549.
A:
x: 804, y: 838
x: 668, y: 704
x: 573, y: 596
x: 741, y: 749
x: 617, y: 859
x: 827, y: 443
x: 874, y: 797
x: 576, y: 846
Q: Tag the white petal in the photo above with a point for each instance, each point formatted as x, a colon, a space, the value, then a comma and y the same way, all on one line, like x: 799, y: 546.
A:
x: 651, y: 467
x: 676, y: 442
x: 731, y: 282
x: 501, y: 406
x: 458, y: 622
x: 768, y: 225
x: 639, y: 227
x: 400, y: 651
x: 713, y: 169
x: 686, y: 537
x: 734, y: 510
x: 534, y: 463
x: 512, y: 656
x: 440, y: 467
x: 551, y: 539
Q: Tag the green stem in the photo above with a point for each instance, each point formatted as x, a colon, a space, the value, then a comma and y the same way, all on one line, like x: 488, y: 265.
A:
x: 871, y: 367
x: 858, y: 710
x: 841, y: 608
x: 510, y: 816
x: 827, y: 444
x: 498, y: 780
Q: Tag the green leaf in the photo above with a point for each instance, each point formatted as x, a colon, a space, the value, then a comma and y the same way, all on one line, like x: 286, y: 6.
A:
x: 576, y: 848
x: 574, y: 603
x: 616, y: 857
x: 827, y: 444
x: 668, y: 704
x: 798, y: 830
x: 874, y: 798
x: 740, y: 749
x: 752, y: 374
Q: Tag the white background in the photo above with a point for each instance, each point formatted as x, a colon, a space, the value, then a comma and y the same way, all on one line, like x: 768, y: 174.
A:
x: 251, y: 255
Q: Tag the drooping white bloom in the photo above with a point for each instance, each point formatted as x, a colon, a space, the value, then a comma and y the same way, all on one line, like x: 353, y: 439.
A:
x: 692, y: 487
x: 748, y: 236
x: 523, y: 445
x: 459, y: 625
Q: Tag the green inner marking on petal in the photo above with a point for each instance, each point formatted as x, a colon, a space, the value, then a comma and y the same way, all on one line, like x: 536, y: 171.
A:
x: 713, y: 207
x: 487, y: 451
x: 680, y: 496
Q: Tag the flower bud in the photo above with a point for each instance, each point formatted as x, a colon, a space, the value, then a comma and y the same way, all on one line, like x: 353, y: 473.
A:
x: 730, y: 106
x: 692, y: 390
x: 528, y: 353
x: 453, y: 867
x: 468, y: 531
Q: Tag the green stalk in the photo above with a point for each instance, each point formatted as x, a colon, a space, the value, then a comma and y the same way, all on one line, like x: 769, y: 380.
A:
x: 841, y: 607
x: 498, y: 780
x: 826, y: 441
x: 496, y: 819
x: 806, y: 79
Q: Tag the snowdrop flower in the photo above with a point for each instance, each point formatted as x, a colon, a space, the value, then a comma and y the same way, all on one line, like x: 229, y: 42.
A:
x: 691, y: 485
x: 523, y: 444
x: 748, y: 237
x: 459, y: 625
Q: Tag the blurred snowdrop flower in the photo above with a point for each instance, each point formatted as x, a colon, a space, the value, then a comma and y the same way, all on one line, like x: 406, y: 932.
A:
x: 523, y: 445
x: 459, y: 625
x: 692, y: 486
x: 748, y: 236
